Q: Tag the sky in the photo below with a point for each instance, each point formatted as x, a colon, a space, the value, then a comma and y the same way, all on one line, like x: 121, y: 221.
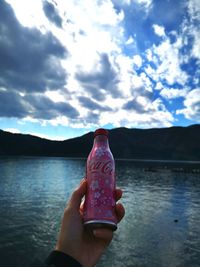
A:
x: 69, y: 67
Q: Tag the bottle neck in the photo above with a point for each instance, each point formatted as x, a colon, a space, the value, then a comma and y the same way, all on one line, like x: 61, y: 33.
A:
x: 101, y: 140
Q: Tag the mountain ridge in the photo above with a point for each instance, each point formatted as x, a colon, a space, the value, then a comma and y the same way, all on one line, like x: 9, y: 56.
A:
x: 173, y: 143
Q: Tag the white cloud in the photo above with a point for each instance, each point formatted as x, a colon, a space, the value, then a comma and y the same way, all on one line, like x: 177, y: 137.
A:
x: 137, y: 60
x: 192, y: 106
x: 130, y: 41
x: 155, y: 115
x: 159, y: 30
x: 125, y: 72
x: 89, y: 30
x: 29, y: 13
x: 169, y: 56
x: 55, y: 96
x: 158, y: 86
x: 167, y: 61
x: 145, y: 4
x: 173, y: 93
x: 169, y: 69
x: 194, y: 9
x: 196, y: 45
x: 190, y: 28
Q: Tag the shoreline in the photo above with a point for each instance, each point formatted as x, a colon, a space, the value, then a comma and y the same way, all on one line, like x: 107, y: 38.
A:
x: 148, y: 165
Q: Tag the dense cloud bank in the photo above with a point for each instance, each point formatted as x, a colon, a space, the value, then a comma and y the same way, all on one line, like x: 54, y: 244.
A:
x: 101, y: 62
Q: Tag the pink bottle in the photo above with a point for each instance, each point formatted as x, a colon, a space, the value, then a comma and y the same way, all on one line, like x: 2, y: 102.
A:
x: 99, y: 207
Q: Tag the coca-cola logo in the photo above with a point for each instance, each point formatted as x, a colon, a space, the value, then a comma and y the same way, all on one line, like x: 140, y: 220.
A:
x: 105, y: 167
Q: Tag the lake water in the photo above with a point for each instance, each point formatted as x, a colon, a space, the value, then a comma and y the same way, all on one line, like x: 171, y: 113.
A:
x: 161, y: 226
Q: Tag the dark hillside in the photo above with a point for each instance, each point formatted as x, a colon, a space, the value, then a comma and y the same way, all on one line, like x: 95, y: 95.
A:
x: 174, y: 143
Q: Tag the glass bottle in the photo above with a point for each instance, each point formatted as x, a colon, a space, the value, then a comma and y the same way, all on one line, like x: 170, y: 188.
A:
x: 99, y: 206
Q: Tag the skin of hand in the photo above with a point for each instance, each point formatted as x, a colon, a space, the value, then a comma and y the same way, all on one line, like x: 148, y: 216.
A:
x: 84, y: 245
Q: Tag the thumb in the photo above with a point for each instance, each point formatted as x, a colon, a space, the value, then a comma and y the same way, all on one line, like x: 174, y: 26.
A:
x: 77, y: 195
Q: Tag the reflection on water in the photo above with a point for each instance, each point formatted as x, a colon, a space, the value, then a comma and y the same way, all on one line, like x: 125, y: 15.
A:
x: 161, y: 226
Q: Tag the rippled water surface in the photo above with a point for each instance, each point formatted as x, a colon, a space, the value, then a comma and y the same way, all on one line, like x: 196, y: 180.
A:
x: 161, y: 226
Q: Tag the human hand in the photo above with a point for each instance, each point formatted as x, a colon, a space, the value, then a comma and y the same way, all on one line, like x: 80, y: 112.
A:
x: 84, y: 245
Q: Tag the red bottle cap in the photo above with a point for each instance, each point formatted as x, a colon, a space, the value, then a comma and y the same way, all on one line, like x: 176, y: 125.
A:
x: 101, y: 131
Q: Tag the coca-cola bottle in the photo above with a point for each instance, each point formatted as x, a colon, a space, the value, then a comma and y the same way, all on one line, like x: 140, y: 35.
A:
x: 99, y: 206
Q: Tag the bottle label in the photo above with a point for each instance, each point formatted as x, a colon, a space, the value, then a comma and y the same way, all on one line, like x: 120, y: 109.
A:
x: 103, y: 167
x: 100, y: 200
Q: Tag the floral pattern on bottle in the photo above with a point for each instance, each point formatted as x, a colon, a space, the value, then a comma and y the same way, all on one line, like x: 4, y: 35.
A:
x: 100, y: 152
x: 94, y: 185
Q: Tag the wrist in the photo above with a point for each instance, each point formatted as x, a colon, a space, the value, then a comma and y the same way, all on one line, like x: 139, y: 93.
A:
x: 60, y: 259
